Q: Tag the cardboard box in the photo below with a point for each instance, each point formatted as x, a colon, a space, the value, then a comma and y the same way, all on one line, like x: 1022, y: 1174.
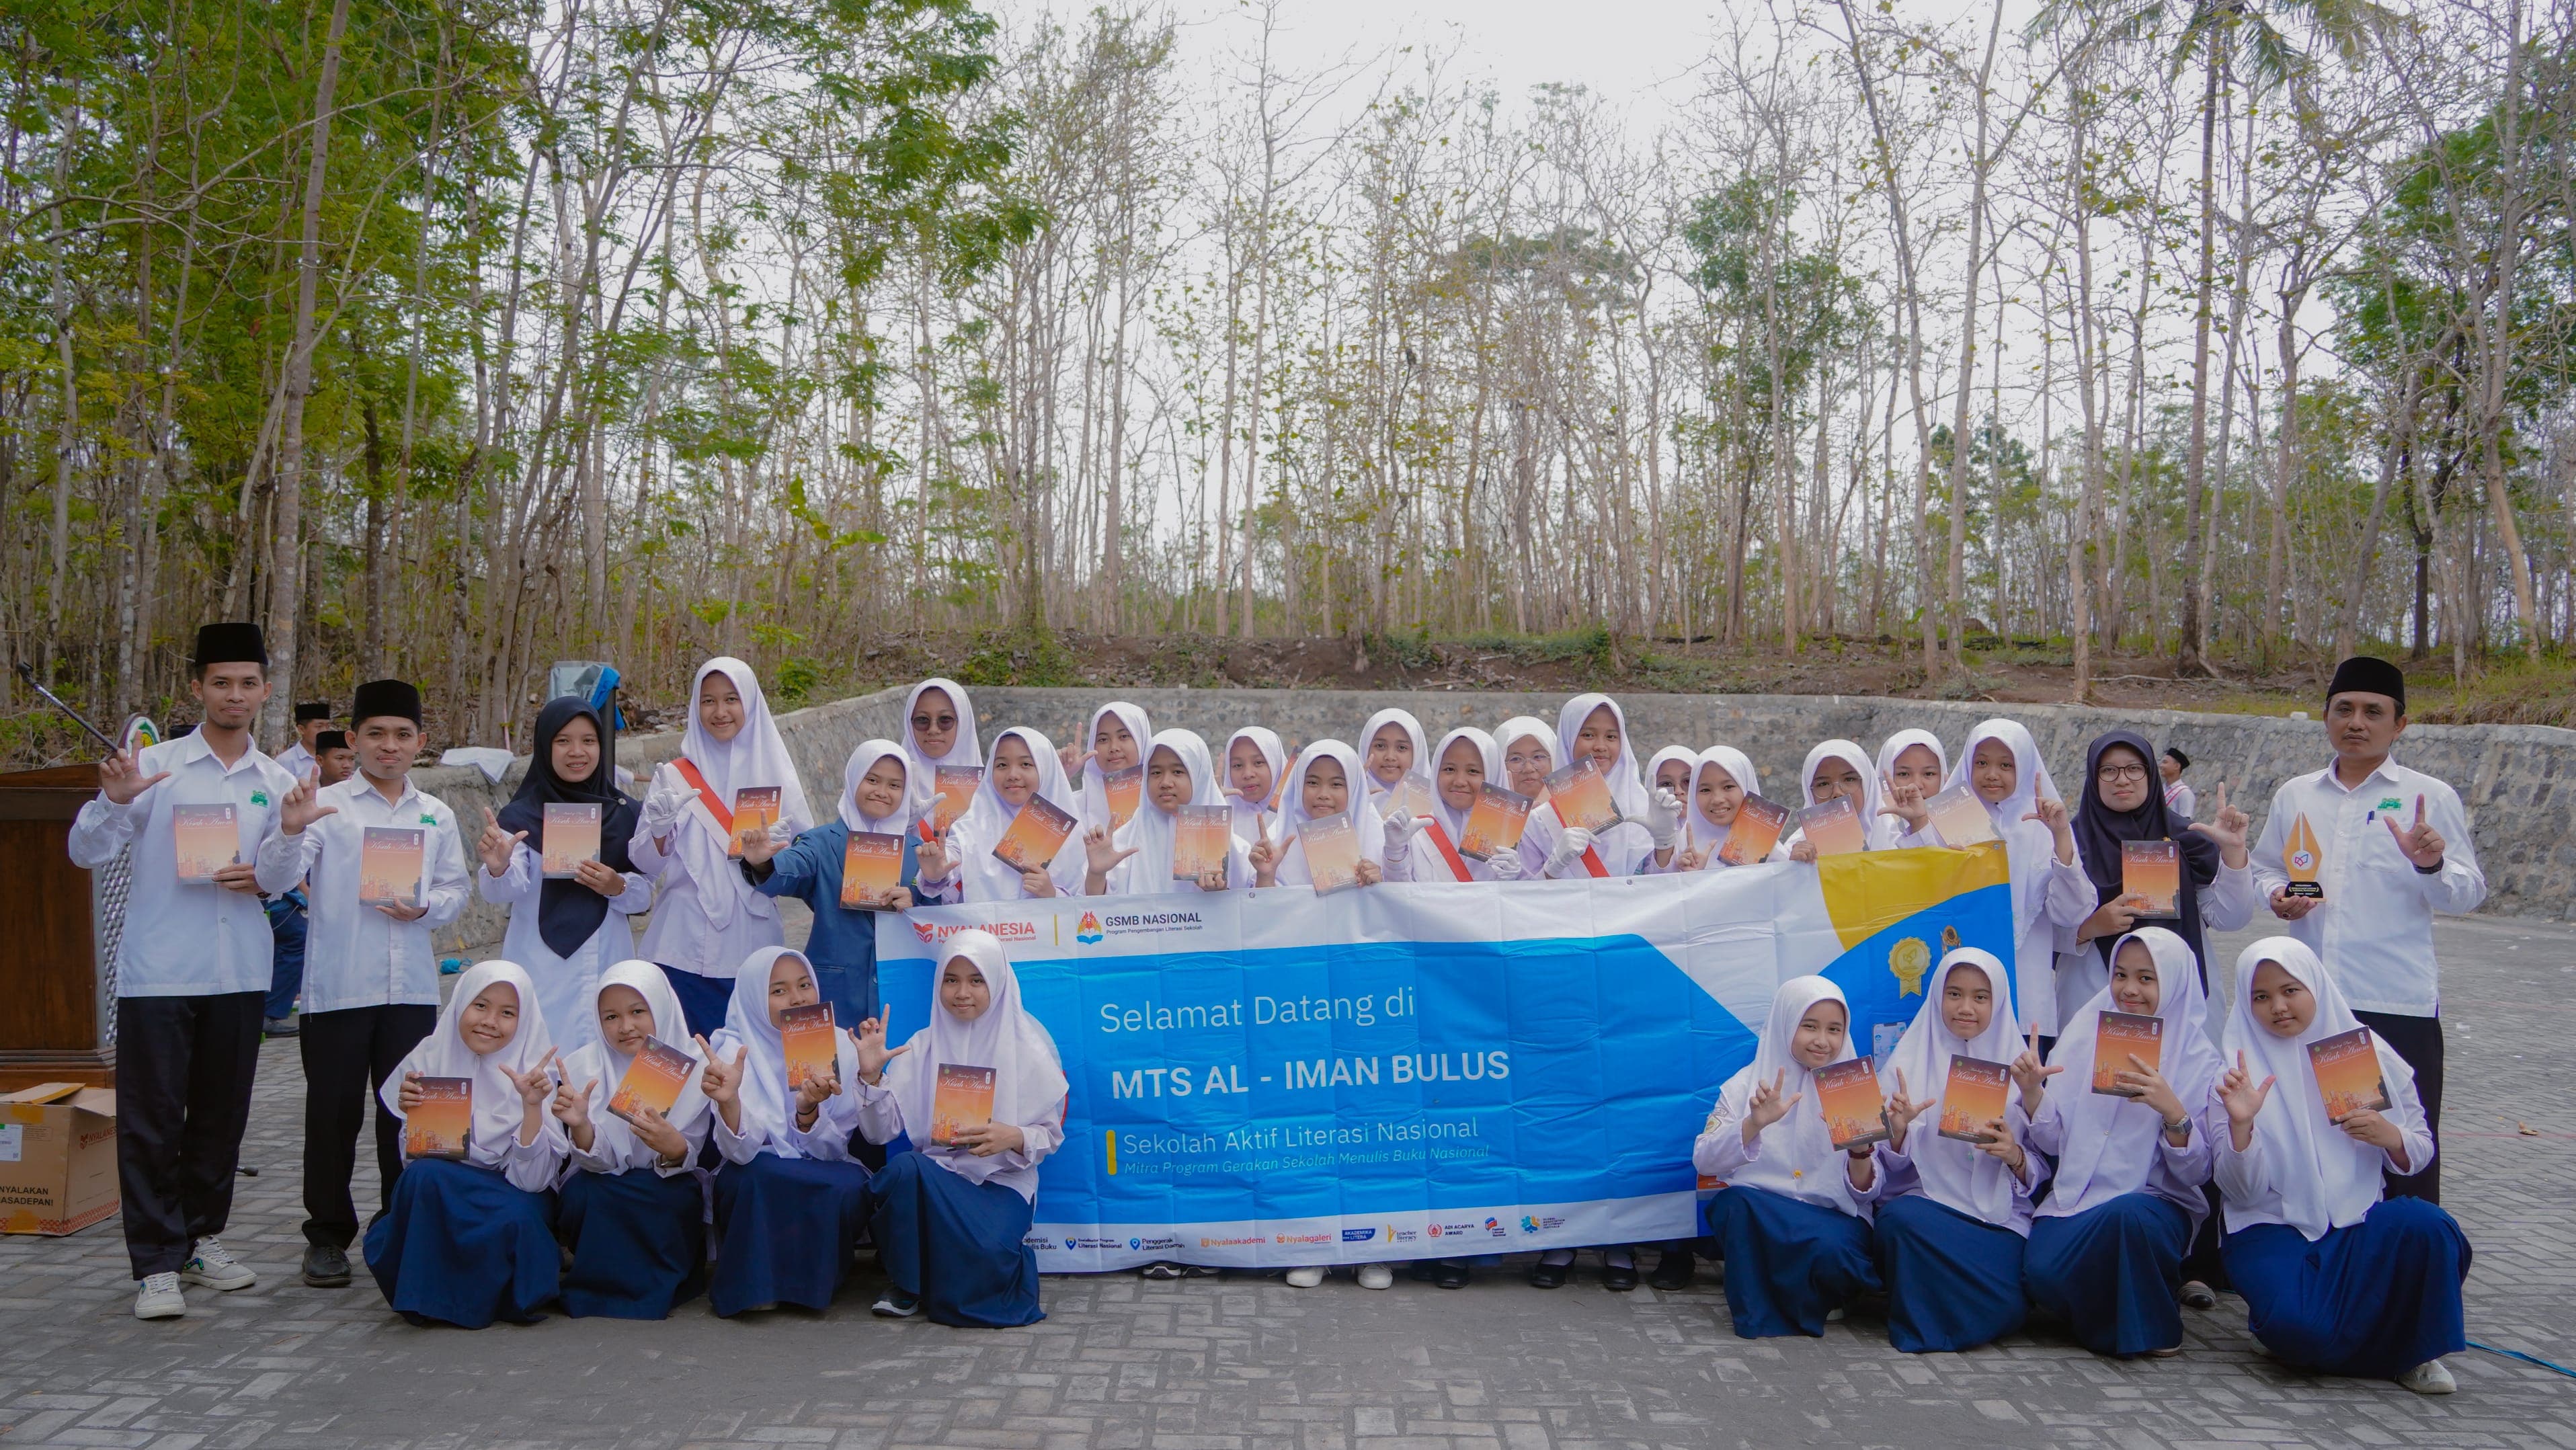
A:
x: 57, y: 1158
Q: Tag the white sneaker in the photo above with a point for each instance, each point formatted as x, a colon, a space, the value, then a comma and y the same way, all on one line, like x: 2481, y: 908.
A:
x: 216, y: 1269
x: 1834, y: 1315
x: 1376, y: 1276
x: 2432, y: 1377
x: 1305, y: 1278
x: 158, y: 1297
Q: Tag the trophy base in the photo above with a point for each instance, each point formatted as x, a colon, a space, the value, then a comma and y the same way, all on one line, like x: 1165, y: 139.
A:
x: 2304, y: 891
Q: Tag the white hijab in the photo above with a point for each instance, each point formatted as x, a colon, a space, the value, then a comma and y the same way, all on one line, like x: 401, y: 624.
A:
x: 755, y: 756
x: 1539, y: 836
x: 2322, y: 1178
x: 1688, y: 760
x: 1154, y: 833
x: 767, y: 1105
x: 1028, y: 1078
x: 1860, y: 761
x: 1798, y: 1156
x: 1704, y: 834
x: 1249, y: 815
x: 964, y: 750
x: 861, y: 761
x: 498, y: 1110
x: 1095, y: 784
x: 1956, y: 1175
x: 2028, y: 845
x: 1422, y: 763
x: 1453, y: 821
x: 1884, y: 830
x: 985, y: 878
x: 1626, y: 787
x: 2113, y: 1140
x: 604, y: 1067
x: 1293, y: 817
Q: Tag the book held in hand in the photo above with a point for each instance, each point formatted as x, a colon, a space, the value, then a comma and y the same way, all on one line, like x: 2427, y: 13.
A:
x: 2152, y: 872
x: 1035, y: 835
x: 1960, y: 818
x: 1332, y: 848
x: 812, y: 1047
x: 206, y: 839
x: 957, y: 785
x: 653, y: 1080
x: 1847, y: 1094
x: 571, y: 837
x: 2304, y: 858
x: 1123, y: 789
x: 1409, y: 795
x: 1972, y: 1098
x: 871, y: 870
x: 1834, y: 827
x: 1496, y: 823
x: 443, y: 1121
x: 1756, y: 833
x: 390, y: 859
x: 1580, y: 794
x: 755, y: 810
x: 2347, y: 1068
x: 2118, y: 1037
x: 1201, y: 838
x: 962, y: 1100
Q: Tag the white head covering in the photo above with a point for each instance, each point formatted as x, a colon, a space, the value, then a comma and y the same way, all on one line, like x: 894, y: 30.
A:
x: 604, y: 1067
x: 1884, y: 830
x: 2322, y: 1178
x: 1028, y: 1077
x: 1094, y: 785
x: 1153, y: 834
x: 964, y: 750
x: 767, y: 1105
x: 861, y: 761
x: 1453, y: 821
x: 1626, y: 786
x: 1412, y: 728
x: 755, y: 756
x: 2112, y: 1140
x: 498, y: 1110
x: 989, y: 816
x: 1955, y: 1174
x: 1539, y: 836
x: 1248, y: 815
x: 2029, y: 845
x: 1736, y: 766
x: 1293, y: 817
x: 1797, y: 1157
x: 1688, y: 760
x: 1537, y: 729
x: 1867, y: 805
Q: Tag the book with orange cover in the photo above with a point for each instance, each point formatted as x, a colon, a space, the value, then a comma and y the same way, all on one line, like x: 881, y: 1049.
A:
x: 962, y: 1100
x: 206, y: 838
x: 1972, y: 1098
x: 653, y: 1080
x: 1123, y: 789
x: 1201, y: 838
x: 1959, y: 818
x: 2152, y: 870
x: 1756, y: 832
x: 2118, y: 1037
x: 2304, y: 858
x: 812, y: 1048
x: 571, y: 837
x: 1410, y: 794
x: 871, y: 870
x: 755, y: 810
x: 1847, y: 1094
x: 1581, y: 795
x: 1035, y: 835
x: 957, y: 785
x: 1495, y: 825
x: 1833, y: 827
x: 389, y: 865
x: 2347, y: 1068
x: 443, y: 1122
x: 1332, y: 853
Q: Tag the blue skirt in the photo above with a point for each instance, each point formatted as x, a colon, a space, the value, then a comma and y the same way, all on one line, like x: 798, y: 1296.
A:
x: 461, y: 1246
x: 703, y: 1000
x: 1788, y: 1262
x: 1953, y: 1282
x: 786, y: 1226
x: 638, y: 1241
x: 2374, y: 1300
x: 960, y: 1247
x: 2112, y: 1272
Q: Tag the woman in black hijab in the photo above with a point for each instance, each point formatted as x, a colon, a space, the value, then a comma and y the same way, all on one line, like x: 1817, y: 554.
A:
x: 2122, y: 801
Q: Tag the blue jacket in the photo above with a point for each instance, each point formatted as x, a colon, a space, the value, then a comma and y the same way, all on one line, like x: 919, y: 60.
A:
x: 843, y: 947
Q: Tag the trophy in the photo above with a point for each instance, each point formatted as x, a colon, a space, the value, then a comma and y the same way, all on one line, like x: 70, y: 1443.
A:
x: 2303, y: 858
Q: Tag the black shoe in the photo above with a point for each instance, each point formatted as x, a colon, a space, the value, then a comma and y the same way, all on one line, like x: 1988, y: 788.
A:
x: 326, y: 1267
x: 1619, y: 1278
x: 278, y: 1027
x: 1423, y: 1271
x: 1450, y: 1274
x: 1675, y: 1270
x: 1544, y: 1275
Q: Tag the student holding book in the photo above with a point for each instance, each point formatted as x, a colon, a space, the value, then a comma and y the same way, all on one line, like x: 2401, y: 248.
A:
x: 1466, y: 762
x: 1530, y: 755
x: 1594, y: 728
x: 1793, y: 1218
x: 2012, y: 799
x: 2337, y: 1277
x: 876, y: 814
x: 1025, y: 776
x: 569, y: 904
x: 1911, y: 765
x: 1255, y: 765
x: 1954, y: 1224
x: 1837, y: 770
x: 1325, y: 783
x: 1394, y: 747
x: 1138, y: 858
x: 938, y: 730
x: 788, y: 1195
x: 1113, y: 745
x: 469, y: 1237
x: 706, y: 917
x: 383, y: 870
x: 330, y: 761
x: 1669, y: 776
x: 2107, y: 1246
x: 981, y: 1094
x: 634, y: 1121
x: 2120, y: 814
x: 1721, y: 777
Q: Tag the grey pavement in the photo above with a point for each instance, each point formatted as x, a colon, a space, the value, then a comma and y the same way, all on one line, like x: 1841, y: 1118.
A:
x: 1249, y: 1362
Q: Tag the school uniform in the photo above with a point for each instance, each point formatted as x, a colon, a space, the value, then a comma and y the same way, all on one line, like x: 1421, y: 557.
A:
x: 922, y: 774
x: 1702, y: 836
x: 787, y: 1199
x: 1890, y: 832
x: 1251, y: 817
x: 1873, y: 833
x: 1366, y: 824
x: 843, y: 943
x: 1620, y: 848
x: 1153, y: 833
x: 635, y: 1224
x: 1431, y: 853
x: 1540, y: 836
x: 974, y: 872
x: 2214, y: 896
x: 1091, y: 785
x: 1424, y: 765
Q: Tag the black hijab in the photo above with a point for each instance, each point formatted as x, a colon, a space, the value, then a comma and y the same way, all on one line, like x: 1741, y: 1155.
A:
x: 2099, y: 831
x: 567, y: 911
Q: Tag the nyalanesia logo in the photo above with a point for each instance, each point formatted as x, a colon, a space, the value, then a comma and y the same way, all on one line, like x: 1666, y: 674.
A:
x: 934, y: 932
x: 1088, y: 932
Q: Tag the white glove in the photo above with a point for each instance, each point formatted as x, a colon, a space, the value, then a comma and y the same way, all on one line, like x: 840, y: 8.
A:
x: 1569, y: 849
x: 665, y: 801
x: 1663, y: 817
x: 1400, y: 831
x: 1506, y: 864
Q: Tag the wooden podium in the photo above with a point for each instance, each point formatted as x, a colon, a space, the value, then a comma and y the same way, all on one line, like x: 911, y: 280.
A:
x: 55, y: 1022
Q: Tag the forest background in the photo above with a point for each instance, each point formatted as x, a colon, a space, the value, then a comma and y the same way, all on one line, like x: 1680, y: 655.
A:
x: 452, y: 337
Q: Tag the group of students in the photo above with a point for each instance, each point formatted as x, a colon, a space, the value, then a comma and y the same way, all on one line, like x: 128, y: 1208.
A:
x: 2081, y: 1203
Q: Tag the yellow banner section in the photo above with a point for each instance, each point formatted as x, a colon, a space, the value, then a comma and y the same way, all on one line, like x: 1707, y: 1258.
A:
x: 1867, y: 892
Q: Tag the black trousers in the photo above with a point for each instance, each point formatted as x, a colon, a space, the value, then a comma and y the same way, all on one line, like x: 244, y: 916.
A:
x: 183, y: 1075
x: 347, y: 1056
x: 2419, y: 1041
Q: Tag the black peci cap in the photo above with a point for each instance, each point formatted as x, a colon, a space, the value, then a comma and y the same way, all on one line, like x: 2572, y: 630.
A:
x: 385, y: 697
x: 2369, y: 675
x: 312, y: 710
x: 230, y: 644
x: 2180, y: 760
x: 331, y: 740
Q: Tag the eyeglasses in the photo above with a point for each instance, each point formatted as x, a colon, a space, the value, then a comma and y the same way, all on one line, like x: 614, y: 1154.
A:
x: 2115, y: 774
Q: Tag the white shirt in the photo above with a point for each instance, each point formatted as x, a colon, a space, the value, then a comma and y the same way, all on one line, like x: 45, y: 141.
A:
x: 881, y: 1120
x: 188, y: 939
x: 357, y: 956
x: 563, y: 983
x: 680, y: 933
x: 295, y: 760
x: 2375, y: 927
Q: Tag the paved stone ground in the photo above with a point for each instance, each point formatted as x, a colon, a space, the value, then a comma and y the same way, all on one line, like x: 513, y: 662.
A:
x: 1249, y: 1362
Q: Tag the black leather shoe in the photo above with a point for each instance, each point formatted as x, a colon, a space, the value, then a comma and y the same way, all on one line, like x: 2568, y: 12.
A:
x: 1675, y: 1270
x: 326, y: 1267
x: 1450, y: 1274
x: 1544, y: 1275
x: 1619, y: 1278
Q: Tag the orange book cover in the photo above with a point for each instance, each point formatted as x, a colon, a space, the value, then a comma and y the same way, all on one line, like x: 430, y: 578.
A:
x: 1973, y: 1098
x: 871, y: 870
x: 1960, y: 819
x: 1035, y: 835
x: 2118, y: 1037
x: 443, y: 1122
x: 389, y: 865
x: 1833, y: 827
x: 1847, y: 1094
x: 1123, y: 789
x: 1411, y: 794
x: 755, y: 810
x: 2304, y: 858
x: 1581, y: 795
x: 2347, y: 1068
x: 2153, y: 870
x: 806, y: 1035
x: 963, y: 1099
x: 1495, y: 825
x: 1200, y: 838
x: 571, y: 837
x: 206, y: 838
x: 957, y: 785
x: 653, y: 1080
x: 1332, y: 853
x: 1756, y: 832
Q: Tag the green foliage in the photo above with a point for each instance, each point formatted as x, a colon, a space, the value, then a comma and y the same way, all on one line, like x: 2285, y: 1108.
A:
x: 1019, y: 657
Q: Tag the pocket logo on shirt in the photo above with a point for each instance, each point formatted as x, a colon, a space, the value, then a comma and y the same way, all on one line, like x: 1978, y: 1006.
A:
x: 2391, y: 803
x: 259, y: 798
x: 428, y: 820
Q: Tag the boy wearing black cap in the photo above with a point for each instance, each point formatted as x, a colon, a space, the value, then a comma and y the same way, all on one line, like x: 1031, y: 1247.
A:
x: 2179, y: 799
x: 2385, y: 847
x: 332, y: 761
x: 311, y: 718
x: 334, y: 758
x: 192, y: 965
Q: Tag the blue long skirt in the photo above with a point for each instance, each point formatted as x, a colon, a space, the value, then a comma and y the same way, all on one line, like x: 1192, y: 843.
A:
x: 1788, y: 1262
x: 786, y: 1227
x: 2112, y: 1272
x: 1953, y: 1282
x: 2374, y: 1300
x: 959, y: 1246
x: 461, y: 1246
x: 638, y: 1241
x: 703, y: 1000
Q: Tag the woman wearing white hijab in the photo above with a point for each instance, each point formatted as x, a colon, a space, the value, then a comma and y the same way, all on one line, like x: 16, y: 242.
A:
x: 788, y: 1194
x: 1530, y: 755
x: 2001, y: 766
x: 962, y: 867
x: 1466, y: 761
x: 1394, y: 746
x: 1952, y: 1231
x: 1672, y: 772
x: 2106, y: 1249
x: 1721, y: 777
x: 1256, y: 769
x: 1911, y: 764
x: 938, y: 729
x: 876, y: 799
x: 1136, y: 860
x: 469, y: 1240
x: 1326, y: 781
x: 1594, y: 728
x: 951, y: 1217
x: 633, y: 1213
x: 1115, y: 740
x: 1838, y: 770
x: 1793, y: 1220
x: 2336, y: 1278
x: 706, y: 916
